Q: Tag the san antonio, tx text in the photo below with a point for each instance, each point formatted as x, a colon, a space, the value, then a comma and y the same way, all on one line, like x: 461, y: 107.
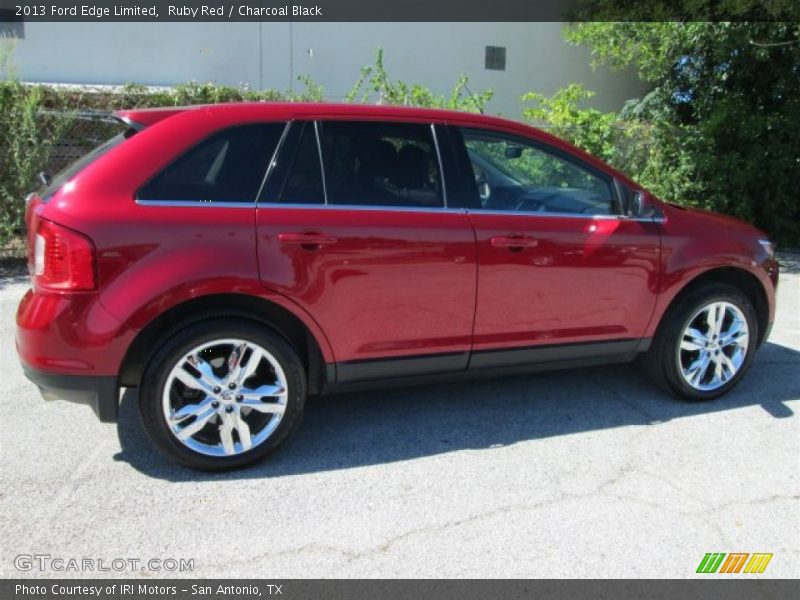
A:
x: 125, y: 589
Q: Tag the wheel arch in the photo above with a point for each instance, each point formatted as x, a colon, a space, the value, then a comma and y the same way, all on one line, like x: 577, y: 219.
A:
x: 259, y: 310
x: 738, y: 277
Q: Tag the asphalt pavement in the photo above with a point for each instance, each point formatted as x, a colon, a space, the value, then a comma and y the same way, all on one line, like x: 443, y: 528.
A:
x: 586, y: 473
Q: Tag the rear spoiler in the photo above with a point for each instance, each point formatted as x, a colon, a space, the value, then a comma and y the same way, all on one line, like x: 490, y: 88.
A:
x: 138, y: 119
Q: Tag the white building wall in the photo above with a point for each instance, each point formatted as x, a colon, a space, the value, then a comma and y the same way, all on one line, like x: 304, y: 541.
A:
x: 272, y: 55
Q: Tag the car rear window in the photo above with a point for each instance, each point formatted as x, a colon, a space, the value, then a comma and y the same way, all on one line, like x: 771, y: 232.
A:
x: 228, y: 166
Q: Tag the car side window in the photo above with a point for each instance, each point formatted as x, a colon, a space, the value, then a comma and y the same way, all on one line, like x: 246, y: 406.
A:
x: 228, y: 166
x: 304, y: 179
x: 512, y: 174
x: 381, y: 164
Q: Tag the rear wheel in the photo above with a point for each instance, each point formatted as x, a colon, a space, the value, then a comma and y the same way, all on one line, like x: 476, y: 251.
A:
x: 706, y: 343
x: 222, y: 394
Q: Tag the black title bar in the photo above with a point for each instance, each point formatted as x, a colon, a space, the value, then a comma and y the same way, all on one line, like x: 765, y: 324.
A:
x: 396, y: 10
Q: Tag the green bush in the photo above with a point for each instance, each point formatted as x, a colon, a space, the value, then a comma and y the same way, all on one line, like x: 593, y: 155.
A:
x: 26, y: 141
x: 622, y: 140
x: 746, y: 175
x: 587, y: 128
x: 375, y: 84
x: 35, y: 118
x: 720, y: 127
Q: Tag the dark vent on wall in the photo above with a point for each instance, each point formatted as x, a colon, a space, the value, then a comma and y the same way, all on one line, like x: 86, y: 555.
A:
x: 496, y: 58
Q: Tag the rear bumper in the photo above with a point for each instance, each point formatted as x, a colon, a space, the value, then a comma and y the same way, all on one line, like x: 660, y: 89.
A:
x: 100, y: 393
x: 70, y: 334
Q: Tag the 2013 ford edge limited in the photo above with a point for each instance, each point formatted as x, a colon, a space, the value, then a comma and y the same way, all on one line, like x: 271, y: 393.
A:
x: 230, y: 260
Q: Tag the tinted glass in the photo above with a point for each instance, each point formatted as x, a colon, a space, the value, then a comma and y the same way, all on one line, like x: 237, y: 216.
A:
x: 512, y: 174
x: 381, y: 164
x: 229, y: 166
x: 304, y: 180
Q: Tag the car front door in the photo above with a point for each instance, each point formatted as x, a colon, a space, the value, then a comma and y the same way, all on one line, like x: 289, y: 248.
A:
x: 354, y: 226
x: 562, y: 274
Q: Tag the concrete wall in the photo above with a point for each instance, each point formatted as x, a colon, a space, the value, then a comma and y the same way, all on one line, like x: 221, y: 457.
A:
x: 272, y: 55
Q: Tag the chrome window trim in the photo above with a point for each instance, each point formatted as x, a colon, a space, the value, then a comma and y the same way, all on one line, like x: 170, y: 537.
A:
x: 196, y: 203
x: 417, y: 209
x: 654, y: 219
x: 532, y: 213
x: 441, y: 165
x: 353, y: 207
x: 484, y: 211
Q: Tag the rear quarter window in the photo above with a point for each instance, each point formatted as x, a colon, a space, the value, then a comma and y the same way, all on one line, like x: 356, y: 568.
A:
x: 228, y: 166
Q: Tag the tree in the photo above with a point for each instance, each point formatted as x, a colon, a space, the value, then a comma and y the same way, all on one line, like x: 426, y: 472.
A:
x: 724, y: 107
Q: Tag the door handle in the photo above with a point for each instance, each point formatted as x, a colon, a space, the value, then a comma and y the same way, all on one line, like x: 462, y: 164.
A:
x: 513, y: 242
x: 309, y: 239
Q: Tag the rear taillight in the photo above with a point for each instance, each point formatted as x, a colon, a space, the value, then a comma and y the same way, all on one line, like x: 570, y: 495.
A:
x: 62, y: 259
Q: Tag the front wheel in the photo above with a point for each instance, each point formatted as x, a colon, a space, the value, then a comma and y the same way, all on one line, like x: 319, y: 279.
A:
x: 222, y: 394
x: 705, y: 344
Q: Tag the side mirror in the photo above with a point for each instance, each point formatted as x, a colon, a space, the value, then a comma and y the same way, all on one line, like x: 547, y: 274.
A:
x: 513, y: 151
x: 641, y: 206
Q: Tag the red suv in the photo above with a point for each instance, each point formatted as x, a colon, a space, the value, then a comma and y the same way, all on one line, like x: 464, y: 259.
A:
x: 230, y: 260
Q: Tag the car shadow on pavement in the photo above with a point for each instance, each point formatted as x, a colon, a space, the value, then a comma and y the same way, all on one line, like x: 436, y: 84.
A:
x: 367, y: 428
x: 6, y: 281
x: 790, y: 262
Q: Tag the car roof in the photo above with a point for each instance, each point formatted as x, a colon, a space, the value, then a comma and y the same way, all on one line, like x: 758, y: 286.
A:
x: 253, y: 111
x: 287, y: 110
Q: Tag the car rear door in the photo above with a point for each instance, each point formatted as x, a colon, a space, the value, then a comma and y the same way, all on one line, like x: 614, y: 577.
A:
x: 562, y: 274
x: 354, y: 225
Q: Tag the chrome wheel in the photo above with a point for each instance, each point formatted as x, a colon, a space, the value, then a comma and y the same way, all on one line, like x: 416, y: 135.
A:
x: 225, y: 397
x: 713, y: 346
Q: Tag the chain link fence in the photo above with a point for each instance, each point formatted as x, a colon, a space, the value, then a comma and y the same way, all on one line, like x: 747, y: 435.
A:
x: 78, y: 133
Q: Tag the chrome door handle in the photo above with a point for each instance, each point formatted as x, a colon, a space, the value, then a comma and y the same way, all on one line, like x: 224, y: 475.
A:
x: 513, y: 242
x: 311, y: 239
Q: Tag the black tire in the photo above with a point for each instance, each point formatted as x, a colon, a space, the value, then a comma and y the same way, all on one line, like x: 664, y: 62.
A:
x: 661, y: 361
x: 178, y: 345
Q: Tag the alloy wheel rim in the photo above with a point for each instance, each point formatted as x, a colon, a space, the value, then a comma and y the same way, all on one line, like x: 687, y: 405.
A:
x: 713, y: 346
x: 225, y: 397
